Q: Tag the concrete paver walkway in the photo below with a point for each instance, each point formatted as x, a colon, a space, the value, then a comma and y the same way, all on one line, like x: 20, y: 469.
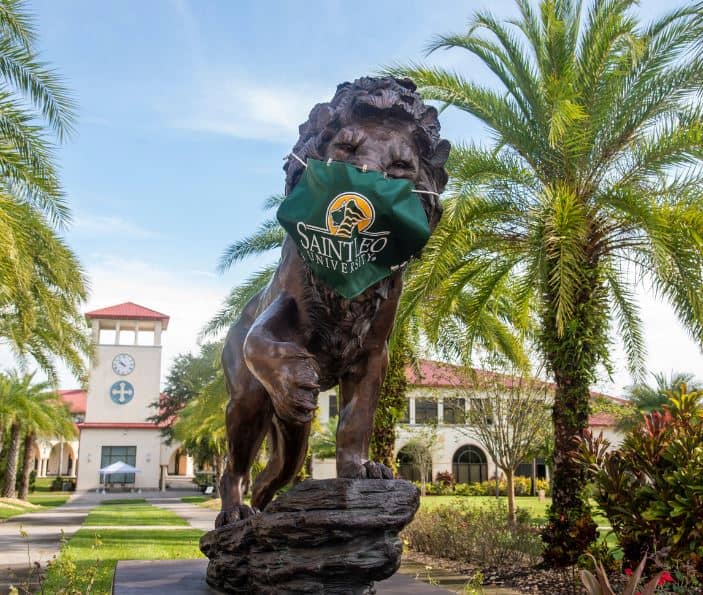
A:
x: 19, y: 554
x: 197, y: 516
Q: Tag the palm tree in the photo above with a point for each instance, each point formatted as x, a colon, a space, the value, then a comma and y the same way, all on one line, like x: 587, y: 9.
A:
x: 45, y: 415
x: 10, y: 399
x: 647, y: 398
x: 35, y: 410
x: 200, y: 425
x: 41, y: 283
x: 592, y: 181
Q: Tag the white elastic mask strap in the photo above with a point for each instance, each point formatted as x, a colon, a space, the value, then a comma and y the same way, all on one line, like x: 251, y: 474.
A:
x: 426, y: 192
x: 299, y: 160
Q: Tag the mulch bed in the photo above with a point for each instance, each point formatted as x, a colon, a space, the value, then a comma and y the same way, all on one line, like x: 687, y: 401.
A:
x: 524, y: 579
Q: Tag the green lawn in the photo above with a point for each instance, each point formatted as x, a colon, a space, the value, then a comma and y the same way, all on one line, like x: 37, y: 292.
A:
x: 87, y: 563
x: 41, y: 497
x: 131, y: 512
x: 537, y: 509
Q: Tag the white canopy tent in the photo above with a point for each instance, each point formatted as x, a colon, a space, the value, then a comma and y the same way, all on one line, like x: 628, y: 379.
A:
x: 119, y: 467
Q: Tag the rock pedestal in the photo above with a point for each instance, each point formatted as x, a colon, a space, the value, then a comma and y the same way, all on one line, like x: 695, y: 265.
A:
x: 327, y: 536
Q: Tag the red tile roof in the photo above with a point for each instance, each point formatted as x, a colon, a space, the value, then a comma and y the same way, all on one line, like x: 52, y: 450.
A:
x: 602, y: 419
x: 128, y: 311
x: 75, y: 399
x: 443, y: 375
x: 145, y: 425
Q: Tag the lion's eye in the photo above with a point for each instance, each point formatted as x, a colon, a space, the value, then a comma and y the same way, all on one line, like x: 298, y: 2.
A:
x: 346, y: 147
x: 400, y: 165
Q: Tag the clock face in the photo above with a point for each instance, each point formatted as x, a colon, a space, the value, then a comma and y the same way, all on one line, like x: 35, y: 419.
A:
x: 123, y: 364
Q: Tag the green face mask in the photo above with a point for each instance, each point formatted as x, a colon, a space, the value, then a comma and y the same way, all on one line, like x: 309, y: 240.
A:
x: 353, y: 227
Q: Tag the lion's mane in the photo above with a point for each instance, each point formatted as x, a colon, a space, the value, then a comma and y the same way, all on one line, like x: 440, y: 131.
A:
x: 367, y: 95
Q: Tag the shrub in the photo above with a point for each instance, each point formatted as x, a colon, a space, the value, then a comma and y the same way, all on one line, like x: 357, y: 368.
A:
x: 203, y: 479
x: 480, y: 535
x: 446, y: 478
x: 60, y: 482
x: 651, y: 489
x: 442, y: 487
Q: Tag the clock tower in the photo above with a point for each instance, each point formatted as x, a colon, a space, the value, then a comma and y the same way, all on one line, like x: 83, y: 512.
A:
x: 124, y: 379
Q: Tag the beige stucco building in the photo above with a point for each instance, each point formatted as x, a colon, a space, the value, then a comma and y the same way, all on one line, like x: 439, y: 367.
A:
x: 439, y: 397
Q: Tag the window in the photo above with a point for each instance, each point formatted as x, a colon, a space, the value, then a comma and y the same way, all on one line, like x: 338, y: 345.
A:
x: 425, y: 411
x: 525, y: 469
x: 113, y: 454
x: 481, y: 405
x: 469, y: 465
x: 454, y: 411
x: 334, y: 408
x: 405, y: 418
x: 408, y: 468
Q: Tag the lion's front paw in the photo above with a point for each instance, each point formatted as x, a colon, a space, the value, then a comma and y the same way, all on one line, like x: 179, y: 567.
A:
x: 294, y: 387
x: 234, y: 514
x: 366, y: 470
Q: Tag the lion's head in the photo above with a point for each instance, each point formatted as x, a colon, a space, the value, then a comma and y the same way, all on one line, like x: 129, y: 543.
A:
x: 381, y: 123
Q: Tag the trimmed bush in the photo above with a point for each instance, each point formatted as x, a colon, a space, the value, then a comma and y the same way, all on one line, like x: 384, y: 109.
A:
x: 479, y: 535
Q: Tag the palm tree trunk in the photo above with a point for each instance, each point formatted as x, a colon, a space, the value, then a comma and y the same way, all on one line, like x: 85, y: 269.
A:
x: 572, y: 356
x: 26, y: 466
x: 8, y: 490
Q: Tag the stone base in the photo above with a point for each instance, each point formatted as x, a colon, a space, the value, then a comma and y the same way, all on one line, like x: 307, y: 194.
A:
x: 187, y: 577
x: 323, y: 536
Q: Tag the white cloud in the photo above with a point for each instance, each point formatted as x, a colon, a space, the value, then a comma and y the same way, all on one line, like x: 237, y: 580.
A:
x: 189, y: 298
x: 669, y: 346
x: 246, y: 109
x: 98, y: 225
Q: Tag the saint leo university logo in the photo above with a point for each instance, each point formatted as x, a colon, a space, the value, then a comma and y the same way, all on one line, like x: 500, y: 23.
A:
x: 346, y: 242
x: 347, y: 212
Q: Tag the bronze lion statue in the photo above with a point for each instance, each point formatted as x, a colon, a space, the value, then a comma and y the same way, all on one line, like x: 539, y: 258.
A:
x: 298, y: 336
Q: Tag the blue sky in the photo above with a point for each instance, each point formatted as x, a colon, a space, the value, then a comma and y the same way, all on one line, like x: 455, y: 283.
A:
x: 185, y: 112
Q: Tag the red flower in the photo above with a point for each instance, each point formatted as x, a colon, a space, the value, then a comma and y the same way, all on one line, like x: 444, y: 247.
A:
x: 628, y: 571
x: 665, y: 578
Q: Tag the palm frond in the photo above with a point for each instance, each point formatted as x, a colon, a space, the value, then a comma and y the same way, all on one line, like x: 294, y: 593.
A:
x: 270, y: 235
x: 236, y: 301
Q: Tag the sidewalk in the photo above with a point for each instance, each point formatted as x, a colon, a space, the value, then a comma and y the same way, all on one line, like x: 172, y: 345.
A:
x: 18, y: 554
x: 198, y: 517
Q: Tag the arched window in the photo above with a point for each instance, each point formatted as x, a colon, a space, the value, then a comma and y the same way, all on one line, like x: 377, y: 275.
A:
x: 408, y: 467
x: 469, y: 464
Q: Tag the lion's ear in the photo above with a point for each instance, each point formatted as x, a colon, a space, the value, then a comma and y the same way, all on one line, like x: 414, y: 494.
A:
x: 441, y: 153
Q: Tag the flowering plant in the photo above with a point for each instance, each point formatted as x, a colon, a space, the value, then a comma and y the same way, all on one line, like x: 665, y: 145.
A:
x: 600, y: 585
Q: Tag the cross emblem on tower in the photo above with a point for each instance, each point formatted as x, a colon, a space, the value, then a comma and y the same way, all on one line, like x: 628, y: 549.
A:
x: 121, y: 392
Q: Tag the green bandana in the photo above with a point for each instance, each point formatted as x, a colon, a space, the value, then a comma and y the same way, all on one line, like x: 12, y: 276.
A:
x: 352, y: 227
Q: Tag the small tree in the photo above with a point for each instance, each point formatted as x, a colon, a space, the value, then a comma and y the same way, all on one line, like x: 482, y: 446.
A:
x: 419, y: 451
x: 188, y: 375
x: 323, y: 442
x: 510, y: 415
